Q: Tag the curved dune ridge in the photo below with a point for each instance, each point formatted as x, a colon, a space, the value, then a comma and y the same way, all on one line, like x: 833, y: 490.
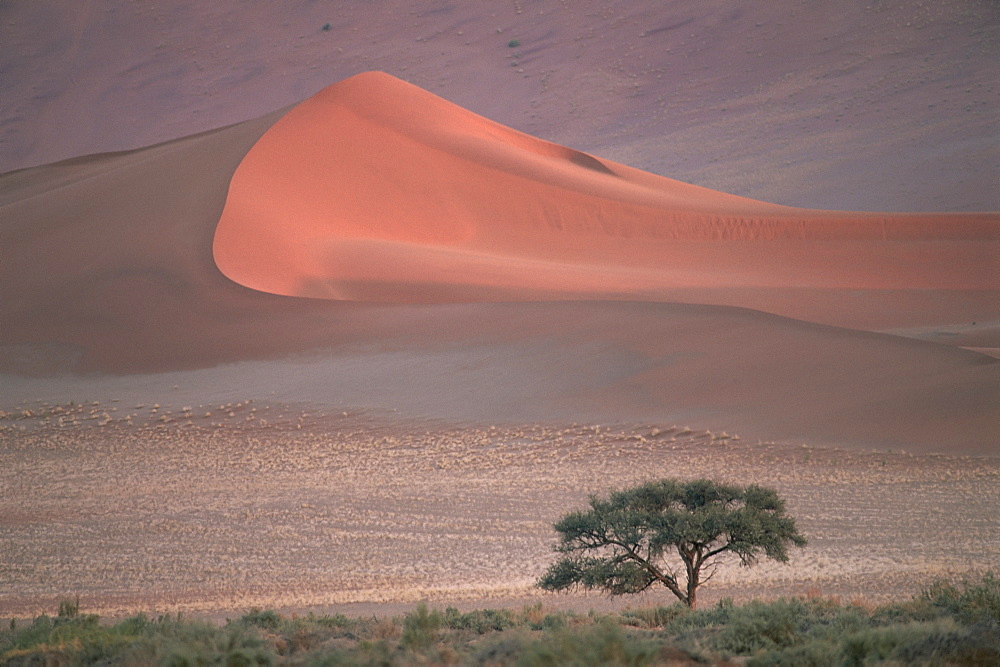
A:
x: 376, y: 190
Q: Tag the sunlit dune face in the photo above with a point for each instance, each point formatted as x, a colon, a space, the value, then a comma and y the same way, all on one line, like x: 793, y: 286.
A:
x: 376, y: 190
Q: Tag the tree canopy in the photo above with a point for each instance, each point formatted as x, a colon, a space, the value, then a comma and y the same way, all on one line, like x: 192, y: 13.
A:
x: 669, y: 532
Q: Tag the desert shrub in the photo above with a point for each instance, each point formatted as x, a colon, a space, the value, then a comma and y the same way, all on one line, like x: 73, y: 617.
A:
x: 940, y: 642
x: 692, y: 619
x: 479, y: 621
x: 907, y: 643
x: 69, y: 608
x: 844, y: 622
x: 372, y: 653
x: 199, y: 643
x: 263, y: 619
x: 56, y: 640
x: 655, y: 617
x: 811, y: 654
x: 605, y: 643
x: 915, y: 610
x: 297, y: 635
x: 535, y: 617
x: 946, y: 624
x: 879, y: 644
x: 422, y: 627
x: 505, y: 649
x: 29, y: 635
x: 334, y: 621
x: 969, y: 602
x: 758, y: 626
x: 978, y: 644
x: 555, y: 621
x: 137, y: 625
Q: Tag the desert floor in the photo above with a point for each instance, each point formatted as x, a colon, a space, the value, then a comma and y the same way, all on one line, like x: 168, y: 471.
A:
x: 217, y: 509
x: 483, y: 288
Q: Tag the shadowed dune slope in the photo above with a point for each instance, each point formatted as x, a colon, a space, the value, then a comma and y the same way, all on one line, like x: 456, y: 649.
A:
x: 374, y: 189
x: 109, y: 284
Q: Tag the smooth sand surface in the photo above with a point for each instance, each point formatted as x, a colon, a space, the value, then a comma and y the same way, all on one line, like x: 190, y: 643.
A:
x: 116, y: 272
x: 277, y: 508
x: 376, y: 190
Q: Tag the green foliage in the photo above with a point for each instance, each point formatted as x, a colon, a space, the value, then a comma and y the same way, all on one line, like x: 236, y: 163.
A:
x: 881, y: 643
x: 421, y: 628
x: 968, y: 602
x: 266, y: 620
x: 812, y: 654
x: 757, y: 626
x: 946, y: 624
x: 69, y: 608
x: 479, y: 621
x: 74, y: 638
x: 514, y: 43
x: 656, y: 617
x: 625, y: 544
x: 978, y: 644
x: 56, y: 639
x: 602, y: 644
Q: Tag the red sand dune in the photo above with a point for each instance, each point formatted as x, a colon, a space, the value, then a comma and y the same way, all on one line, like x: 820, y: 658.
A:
x: 374, y: 189
x: 377, y: 191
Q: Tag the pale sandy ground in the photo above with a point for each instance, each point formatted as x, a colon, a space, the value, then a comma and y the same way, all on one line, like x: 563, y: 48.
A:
x: 111, y: 285
x: 270, y: 506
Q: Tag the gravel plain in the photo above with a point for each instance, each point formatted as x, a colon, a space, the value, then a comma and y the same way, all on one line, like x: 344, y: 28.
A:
x: 213, y: 510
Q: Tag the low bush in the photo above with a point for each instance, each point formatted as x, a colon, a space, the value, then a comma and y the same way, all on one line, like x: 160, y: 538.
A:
x: 604, y: 643
x: 758, y: 626
x: 421, y: 628
x: 945, y: 624
x: 655, y: 617
x: 480, y: 621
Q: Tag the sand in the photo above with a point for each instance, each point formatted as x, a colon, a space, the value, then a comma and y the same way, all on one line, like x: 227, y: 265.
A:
x: 364, y: 514
x: 463, y: 304
x: 561, y: 316
x: 885, y: 106
x: 374, y: 190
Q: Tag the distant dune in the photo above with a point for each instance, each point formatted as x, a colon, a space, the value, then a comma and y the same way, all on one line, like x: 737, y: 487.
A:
x: 881, y: 106
x: 467, y: 271
x: 376, y: 190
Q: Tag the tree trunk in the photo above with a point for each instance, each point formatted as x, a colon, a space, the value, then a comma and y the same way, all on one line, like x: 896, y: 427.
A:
x: 692, y: 592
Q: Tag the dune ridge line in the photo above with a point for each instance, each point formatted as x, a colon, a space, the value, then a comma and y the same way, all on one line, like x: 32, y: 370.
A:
x: 374, y: 184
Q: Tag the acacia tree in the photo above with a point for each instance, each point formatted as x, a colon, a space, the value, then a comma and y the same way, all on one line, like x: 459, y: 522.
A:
x: 634, y: 538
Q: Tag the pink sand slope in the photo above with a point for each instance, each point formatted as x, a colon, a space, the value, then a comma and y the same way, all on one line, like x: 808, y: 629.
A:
x: 374, y: 189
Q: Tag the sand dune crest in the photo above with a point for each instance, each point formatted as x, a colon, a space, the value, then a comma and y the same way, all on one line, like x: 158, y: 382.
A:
x: 115, y: 273
x: 374, y: 186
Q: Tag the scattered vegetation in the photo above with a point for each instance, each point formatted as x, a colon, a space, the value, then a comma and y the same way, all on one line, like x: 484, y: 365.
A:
x: 948, y: 623
x: 627, y: 543
x: 514, y: 43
